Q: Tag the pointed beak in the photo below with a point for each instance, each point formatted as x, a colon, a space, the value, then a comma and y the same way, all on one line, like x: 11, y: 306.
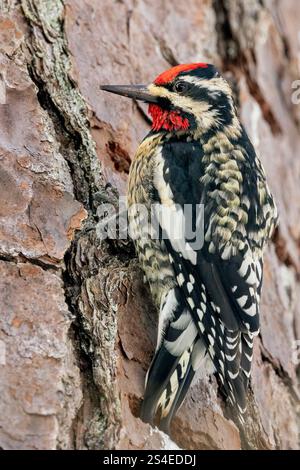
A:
x: 136, y: 92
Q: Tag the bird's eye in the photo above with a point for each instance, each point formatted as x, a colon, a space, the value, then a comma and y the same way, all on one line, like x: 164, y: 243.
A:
x: 180, y: 87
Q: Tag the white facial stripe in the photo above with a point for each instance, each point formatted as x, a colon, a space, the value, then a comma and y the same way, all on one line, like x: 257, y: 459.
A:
x: 205, y: 116
x: 213, y: 84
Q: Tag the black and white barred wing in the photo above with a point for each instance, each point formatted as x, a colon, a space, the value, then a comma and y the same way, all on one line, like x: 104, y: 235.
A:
x: 180, y: 352
x: 215, y: 314
x: 217, y: 296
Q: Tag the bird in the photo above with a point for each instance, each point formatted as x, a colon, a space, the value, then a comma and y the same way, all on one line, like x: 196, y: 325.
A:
x: 205, y: 281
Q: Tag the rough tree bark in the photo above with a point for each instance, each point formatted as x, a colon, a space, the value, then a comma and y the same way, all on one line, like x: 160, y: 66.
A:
x: 77, y: 324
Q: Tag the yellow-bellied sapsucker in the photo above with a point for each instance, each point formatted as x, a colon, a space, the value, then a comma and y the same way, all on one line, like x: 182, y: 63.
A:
x: 208, y: 296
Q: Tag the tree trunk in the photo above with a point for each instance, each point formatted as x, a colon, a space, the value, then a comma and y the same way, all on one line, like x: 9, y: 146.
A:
x: 77, y: 323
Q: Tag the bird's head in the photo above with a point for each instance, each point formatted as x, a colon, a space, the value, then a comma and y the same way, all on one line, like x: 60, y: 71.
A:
x: 187, y: 97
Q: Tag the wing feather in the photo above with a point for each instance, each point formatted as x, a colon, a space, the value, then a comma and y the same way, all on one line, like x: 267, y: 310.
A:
x: 220, y: 285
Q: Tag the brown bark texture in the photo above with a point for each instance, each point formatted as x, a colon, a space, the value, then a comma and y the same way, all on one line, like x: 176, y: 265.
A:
x: 77, y: 326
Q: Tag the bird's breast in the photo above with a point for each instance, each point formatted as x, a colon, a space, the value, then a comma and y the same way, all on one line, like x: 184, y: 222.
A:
x: 141, y: 198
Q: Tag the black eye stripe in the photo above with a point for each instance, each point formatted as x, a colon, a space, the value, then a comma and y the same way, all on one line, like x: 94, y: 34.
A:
x: 180, y: 86
x: 203, y: 93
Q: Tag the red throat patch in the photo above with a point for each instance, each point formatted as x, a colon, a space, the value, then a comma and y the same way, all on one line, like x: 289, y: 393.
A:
x: 170, y: 74
x: 168, y: 120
